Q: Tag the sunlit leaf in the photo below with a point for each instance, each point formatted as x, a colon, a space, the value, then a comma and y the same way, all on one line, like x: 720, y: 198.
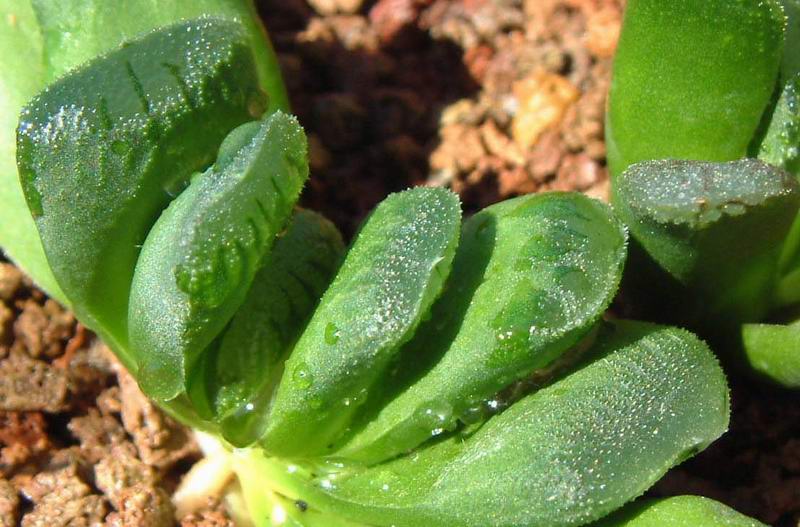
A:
x: 201, y: 256
x: 392, y: 274
x: 102, y: 151
x: 706, y: 238
x: 647, y: 398
x: 679, y: 89
x: 531, y: 278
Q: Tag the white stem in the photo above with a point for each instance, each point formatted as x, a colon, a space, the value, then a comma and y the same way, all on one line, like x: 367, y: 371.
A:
x: 208, y: 478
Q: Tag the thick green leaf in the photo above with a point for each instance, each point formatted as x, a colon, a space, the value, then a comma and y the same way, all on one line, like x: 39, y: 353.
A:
x: 778, y: 139
x: 707, y: 238
x: 648, y: 398
x: 781, y: 147
x: 201, y: 256
x: 790, y: 65
x: 237, y: 377
x: 387, y: 283
x: 680, y: 511
x: 773, y: 351
x: 21, y: 77
x: 101, y: 151
x: 781, y: 143
x: 76, y: 31
x: 531, y: 278
x: 680, y: 89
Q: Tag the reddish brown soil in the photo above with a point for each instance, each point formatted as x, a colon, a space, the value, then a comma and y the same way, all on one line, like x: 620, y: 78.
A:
x: 79, y: 443
x: 493, y: 98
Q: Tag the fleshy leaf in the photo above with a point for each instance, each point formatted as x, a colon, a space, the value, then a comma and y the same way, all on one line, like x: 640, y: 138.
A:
x: 201, y: 256
x: 781, y: 147
x: 773, y: 351
x: 678, y: 90
x: 707, y: 238
x: 679, y: 511
x: 387, y: 283
x: 75, y: 31
x: 790, y: 65
x: 41, y: 40
x: 531, y: 278
x: 647, y: 398
x: 101, y: 150
x: 237, y: 377
x: 22, y: 75
x: 781, y: 143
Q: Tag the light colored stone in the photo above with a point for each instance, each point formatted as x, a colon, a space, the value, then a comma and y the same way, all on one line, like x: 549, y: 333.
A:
x: 542, y: 98
x: 332, y: 7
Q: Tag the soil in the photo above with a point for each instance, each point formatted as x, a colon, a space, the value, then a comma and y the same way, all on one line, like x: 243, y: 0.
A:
x: 492, y: 98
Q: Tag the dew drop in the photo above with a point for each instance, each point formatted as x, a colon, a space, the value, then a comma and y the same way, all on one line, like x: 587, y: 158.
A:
x: 332, y: 334
x: 472, y: 415
x: 436, y: 417
x: 302, y: 376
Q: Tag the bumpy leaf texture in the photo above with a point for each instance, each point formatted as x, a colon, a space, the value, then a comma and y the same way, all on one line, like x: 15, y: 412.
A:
x: 201, y: 256
x: 780, y: 145
x: 450, y: 375
x: 392, y: 274
x: 707, y: 237
x: 237, y: 376
x: 103, y: 150
x: 531, y: 278
x: 646, y: 398
x: 43, y: 40
x: 76, y: 31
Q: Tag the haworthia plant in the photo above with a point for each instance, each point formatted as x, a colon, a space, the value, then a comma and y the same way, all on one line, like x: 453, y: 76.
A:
x: 712, y: 240
x: 433, y: 374
x: 135, y: 123
x: 183, y: 294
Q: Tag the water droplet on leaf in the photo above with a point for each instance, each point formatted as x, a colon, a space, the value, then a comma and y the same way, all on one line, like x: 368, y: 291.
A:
x: 332, y: 334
